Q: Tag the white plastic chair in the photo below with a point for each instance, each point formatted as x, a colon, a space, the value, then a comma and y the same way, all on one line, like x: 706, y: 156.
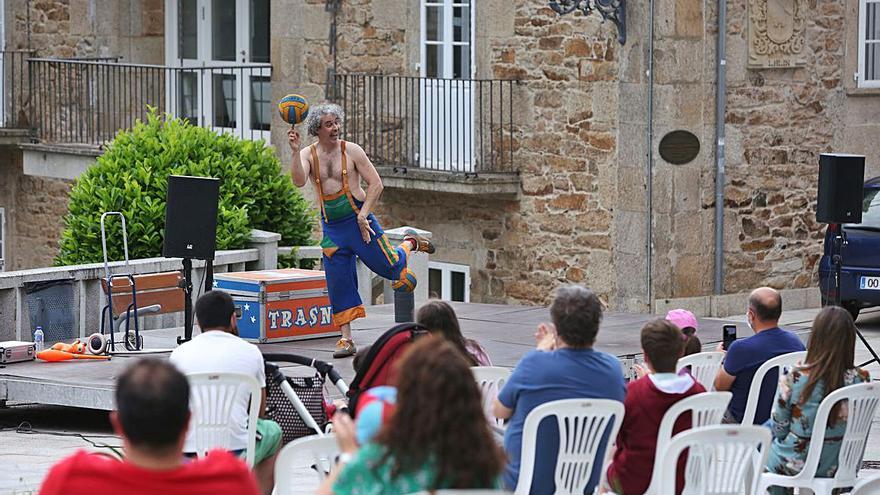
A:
x: 863, y: 399
x: 784, y: 362
x: 720, y: 460
x: 318, y: 453
x: 704, y: 367
x: 867, y: 486
x: 706, y: 409
x: 582, y: 424
x: 213, y: 397
x: 491, y: 380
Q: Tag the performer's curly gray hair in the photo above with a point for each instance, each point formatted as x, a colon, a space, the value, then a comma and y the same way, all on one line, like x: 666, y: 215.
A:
x: 313, y: 120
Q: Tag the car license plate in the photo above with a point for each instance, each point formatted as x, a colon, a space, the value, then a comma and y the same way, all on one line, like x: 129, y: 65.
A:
x: 869, y: 283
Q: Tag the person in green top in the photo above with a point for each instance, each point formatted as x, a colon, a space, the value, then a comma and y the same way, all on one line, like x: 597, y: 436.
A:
x: 437, y: 437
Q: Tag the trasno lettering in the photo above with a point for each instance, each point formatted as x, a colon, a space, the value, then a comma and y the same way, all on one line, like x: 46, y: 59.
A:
x: 301, y: 317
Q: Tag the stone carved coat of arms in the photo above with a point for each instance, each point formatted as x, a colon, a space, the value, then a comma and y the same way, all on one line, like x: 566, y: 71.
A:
x: 776, y: 33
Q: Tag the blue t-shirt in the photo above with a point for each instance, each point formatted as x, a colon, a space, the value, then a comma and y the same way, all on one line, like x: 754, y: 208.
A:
x: 745, y: 357
x: 542, y: 377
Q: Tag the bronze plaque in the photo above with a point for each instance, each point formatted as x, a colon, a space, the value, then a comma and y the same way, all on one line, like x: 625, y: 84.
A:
x: 679, y: 147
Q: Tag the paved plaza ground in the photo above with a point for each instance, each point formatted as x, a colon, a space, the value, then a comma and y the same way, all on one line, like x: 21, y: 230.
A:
x: 34, y: 437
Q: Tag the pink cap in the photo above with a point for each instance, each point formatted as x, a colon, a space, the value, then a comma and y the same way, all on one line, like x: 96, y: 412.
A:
x: 682, y: 318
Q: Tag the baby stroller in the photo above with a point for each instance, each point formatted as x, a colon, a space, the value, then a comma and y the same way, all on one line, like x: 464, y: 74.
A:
x: 377, y: 367
x: 297, y: 403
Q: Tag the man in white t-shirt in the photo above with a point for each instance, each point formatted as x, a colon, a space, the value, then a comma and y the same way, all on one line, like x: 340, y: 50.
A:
x: 218, y: 349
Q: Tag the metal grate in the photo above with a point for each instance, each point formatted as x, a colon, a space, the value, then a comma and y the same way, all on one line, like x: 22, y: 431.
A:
x: 51, y: 305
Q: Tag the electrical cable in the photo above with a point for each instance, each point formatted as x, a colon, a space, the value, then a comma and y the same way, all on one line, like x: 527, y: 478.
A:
x: 25, y: 428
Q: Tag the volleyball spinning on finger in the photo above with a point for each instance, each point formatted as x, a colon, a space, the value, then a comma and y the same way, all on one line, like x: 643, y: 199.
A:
x: 293, y: 108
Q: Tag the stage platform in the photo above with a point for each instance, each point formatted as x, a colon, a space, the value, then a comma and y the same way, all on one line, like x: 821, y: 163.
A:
x: 506, y: 332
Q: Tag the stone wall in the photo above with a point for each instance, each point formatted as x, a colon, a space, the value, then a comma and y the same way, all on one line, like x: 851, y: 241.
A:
x: 559, y: 230
x: 778, y: 121
x: 35, y: 207
x: 132, y: 29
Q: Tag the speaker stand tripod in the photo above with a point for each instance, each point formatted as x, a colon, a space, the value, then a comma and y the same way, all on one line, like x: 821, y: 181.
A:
x: 837, y: 261
x: 187, y: 286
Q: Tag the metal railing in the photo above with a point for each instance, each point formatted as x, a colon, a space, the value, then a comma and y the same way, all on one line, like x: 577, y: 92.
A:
x: 449, y: 125
x: 15, y: 86
x: 88, y: 101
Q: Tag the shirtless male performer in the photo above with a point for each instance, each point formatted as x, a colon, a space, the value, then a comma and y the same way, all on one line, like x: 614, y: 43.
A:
x: 336, y: 168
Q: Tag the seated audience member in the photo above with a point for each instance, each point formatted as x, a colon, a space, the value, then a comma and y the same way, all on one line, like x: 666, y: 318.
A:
x: 440, y: 319
x: 151, y: 417
x: 218, y: 349
x: 647, y: 400
x: 828, y: 366
x: 745, y: 356
x: 564, y: 366
x: 687, y: 322
x: 436, y: 438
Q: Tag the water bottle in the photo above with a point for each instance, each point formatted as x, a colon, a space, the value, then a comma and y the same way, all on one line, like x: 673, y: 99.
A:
x: 38, y: 338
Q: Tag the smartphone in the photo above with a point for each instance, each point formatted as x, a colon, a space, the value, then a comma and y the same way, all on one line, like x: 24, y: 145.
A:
x: 238, y: 312
x: 728, y: 335
x: 628, y: 363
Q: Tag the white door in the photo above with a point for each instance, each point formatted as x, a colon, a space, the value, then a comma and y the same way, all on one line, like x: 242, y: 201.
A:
x: 226, y: 43
x: 445, y: 93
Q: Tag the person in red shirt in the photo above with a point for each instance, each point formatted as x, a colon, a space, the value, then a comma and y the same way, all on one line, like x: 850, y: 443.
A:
x: 152, y: 401
x: 647, y: 400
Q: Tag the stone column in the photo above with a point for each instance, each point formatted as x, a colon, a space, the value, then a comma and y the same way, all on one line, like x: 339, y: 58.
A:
x: 267, y: 245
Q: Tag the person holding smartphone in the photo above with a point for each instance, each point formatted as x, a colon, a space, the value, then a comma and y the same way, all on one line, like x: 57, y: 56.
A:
x: 745, y: 356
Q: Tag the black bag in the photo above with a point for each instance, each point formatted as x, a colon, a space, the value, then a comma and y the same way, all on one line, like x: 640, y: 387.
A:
x: 279, y: 408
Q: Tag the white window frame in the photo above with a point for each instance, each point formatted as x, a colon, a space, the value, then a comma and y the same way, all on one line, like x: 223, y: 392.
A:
x: 2, y: 239
x: 448, y: 41
x: 863, y: 42
x: 446, y: 270
x: 205, y: 83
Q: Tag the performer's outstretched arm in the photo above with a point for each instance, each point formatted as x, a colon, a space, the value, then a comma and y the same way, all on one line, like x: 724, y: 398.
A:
x: 299, y: 167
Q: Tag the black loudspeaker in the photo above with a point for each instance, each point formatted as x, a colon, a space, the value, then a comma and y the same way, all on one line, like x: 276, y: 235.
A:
x: 191, y: 217
x: 841, y: 179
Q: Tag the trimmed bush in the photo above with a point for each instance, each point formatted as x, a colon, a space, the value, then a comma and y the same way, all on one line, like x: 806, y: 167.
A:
x: 132, y: 177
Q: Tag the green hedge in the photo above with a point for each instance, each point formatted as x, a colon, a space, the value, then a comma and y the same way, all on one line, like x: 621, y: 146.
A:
x: 132, y: 177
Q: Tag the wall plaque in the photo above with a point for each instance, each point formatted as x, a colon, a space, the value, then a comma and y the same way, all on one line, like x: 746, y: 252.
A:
x: 679, y: 147
x: 776, y: 33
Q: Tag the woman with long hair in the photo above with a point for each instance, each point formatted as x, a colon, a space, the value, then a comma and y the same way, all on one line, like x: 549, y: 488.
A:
x: 440, y: 319
x: 828, y: 366
x: 436, y: 438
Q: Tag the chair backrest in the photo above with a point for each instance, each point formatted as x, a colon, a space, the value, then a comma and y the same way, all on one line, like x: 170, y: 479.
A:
x: 706, y: 409
x: 213, y: 397
x: 582, y: 425
x: 491, y: 380
x: 704, y: 367
x: 862, y: 400
x: 318, y: 453
x: 721, y: 460
x: 784, y: 362
x: 867, y: 486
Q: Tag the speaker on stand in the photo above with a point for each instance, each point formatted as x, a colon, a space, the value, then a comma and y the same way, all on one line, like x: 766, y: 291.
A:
x: 191, y: 232
x: 841, y: 184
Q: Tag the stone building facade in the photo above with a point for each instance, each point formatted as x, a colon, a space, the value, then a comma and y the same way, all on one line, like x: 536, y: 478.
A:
x: 582, y: 124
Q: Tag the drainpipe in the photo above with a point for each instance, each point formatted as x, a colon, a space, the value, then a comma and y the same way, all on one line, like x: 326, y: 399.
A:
x: 649, y: 172
x: 720, y: 109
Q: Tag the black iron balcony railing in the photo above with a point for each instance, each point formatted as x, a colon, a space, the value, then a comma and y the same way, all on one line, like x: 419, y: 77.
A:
x: 89, y: 101
x: 15, y: 85
x: 450, y: 125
